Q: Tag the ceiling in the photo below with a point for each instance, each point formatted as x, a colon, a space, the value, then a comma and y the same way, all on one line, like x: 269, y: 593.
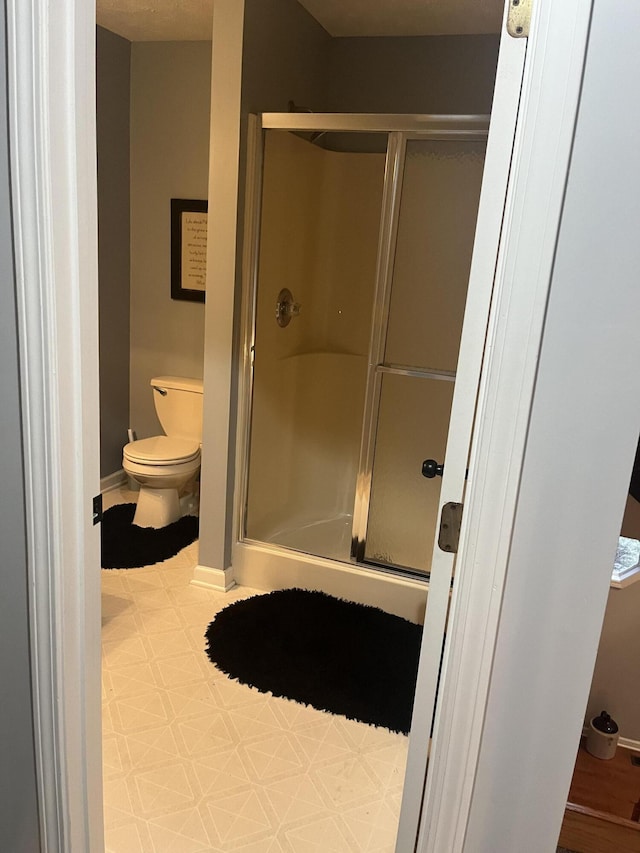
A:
x: 157, y: 20
x: 190, y: 20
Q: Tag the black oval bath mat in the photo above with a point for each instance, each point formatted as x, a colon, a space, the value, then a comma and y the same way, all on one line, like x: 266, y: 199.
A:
x: 127, y: 546
x: 335, y: 655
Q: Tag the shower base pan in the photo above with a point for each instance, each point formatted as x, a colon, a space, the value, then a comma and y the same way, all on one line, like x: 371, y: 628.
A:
x: 268, y: 567
x: 330, y: 537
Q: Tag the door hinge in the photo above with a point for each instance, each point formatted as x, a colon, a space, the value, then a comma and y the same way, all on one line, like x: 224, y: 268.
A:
x: 97, y: 509
x: 450, y: 521
x: 519, y: 18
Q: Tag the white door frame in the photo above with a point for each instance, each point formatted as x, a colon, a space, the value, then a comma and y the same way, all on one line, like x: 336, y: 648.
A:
x: 51, y: 82
x: 456, y: 479
x: 540, y: 162
x: 52, y: 120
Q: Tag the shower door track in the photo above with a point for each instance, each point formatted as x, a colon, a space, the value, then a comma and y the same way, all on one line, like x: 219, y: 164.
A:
x: 400, y: 128
x: 472, y: 127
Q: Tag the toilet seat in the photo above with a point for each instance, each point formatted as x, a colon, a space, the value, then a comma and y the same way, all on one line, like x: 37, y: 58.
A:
x: 161, y: 450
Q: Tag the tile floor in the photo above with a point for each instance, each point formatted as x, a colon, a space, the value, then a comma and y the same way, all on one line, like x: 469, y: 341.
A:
x: 197, y: 763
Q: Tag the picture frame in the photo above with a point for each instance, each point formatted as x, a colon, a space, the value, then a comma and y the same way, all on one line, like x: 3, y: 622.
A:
x: 188, y: 249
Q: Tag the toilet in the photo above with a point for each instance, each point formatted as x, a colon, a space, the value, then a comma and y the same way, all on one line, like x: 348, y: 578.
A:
x: 166, y: 466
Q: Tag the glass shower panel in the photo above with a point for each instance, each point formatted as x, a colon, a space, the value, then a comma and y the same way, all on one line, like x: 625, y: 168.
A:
x: 436, y: 226
x: 319, y: 230
x: 426, y: 295
x: 413, y: 415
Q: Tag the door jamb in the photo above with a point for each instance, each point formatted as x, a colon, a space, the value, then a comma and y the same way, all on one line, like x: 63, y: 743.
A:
x: 52, y: 121
x: 556, y: 51
x: 51, y: 89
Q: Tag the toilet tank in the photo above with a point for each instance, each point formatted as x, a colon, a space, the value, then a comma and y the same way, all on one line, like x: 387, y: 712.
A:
x: 178, y: 402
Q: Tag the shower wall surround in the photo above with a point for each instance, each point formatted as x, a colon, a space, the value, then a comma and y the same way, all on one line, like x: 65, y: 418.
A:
x: 319, y: 237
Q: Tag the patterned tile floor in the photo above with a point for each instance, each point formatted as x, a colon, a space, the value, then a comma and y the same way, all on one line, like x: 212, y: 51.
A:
x: 197, y: 763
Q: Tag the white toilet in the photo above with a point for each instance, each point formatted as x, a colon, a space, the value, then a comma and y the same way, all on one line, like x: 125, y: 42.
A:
x: 165, y: 464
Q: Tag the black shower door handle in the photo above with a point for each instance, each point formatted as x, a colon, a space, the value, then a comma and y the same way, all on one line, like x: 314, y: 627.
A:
x: 431, y: 469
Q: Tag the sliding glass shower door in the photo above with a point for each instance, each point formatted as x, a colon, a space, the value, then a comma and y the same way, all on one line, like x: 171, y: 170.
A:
x: 359, y: 291
x: 413, y: 362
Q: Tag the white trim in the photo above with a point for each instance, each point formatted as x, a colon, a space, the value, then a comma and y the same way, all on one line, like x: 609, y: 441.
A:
x: 466, y: 392
x: 620, y: 576
x: 220, y: 580
x: 567, y: 521
x: 629, y: 743
x: 555, y: 52
x: 30, y: 260
x: 113, y: 481
x: 623, y: 580
x: 626, y: 742
x: 52, y: 130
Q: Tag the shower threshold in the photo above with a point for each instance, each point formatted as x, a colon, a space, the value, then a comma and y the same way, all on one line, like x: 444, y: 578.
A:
x: 278, y: 564
x: 330, y: 539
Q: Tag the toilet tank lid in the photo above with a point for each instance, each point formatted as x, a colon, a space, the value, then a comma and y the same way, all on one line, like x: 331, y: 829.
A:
x: 180, y: 383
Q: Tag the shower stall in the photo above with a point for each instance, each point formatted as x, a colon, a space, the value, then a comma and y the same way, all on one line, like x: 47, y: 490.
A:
x: 357, y: 247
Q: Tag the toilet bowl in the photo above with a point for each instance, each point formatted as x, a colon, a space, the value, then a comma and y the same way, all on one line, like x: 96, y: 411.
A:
x: 166, y: 466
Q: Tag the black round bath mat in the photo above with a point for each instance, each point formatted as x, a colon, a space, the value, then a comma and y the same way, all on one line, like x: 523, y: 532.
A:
x: 127, y: 546
x: 335, y: 655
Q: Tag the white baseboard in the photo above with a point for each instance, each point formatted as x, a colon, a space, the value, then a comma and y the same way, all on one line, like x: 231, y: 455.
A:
x: 113, y: 481
x: 221, y: 580
x: 626, y: 742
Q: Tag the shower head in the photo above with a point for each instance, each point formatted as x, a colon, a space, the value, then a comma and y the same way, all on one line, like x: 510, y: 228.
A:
x: 311, y: 136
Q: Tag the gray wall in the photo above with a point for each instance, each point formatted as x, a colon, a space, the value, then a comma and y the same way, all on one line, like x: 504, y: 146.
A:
x: 615, y: 677
x: 153, y: 145
x: 113, y: 58
x: 19, y: 826
x: 615, y: 684
x: 427, y: 74
x: 170, y: 106
x: 284, y: 57
x: 288, y: 56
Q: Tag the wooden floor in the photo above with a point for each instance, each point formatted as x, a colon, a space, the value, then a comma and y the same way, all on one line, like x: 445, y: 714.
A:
x: 603, y: 802
x: 607, y: 786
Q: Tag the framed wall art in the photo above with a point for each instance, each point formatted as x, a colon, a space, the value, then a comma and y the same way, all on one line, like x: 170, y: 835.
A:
x: 188, y: 249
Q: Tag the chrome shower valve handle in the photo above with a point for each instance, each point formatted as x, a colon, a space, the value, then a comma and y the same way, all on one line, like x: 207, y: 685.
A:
x: 286, y: 307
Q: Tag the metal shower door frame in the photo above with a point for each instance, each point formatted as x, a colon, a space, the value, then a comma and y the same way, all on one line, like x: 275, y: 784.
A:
x: 377, y: 366
x: 399, y: 129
